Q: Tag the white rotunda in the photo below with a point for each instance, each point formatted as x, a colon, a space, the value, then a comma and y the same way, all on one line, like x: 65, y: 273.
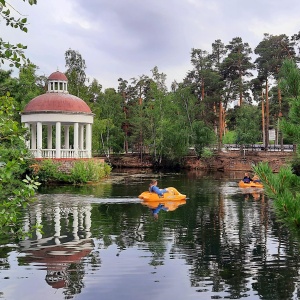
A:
x: 60, y: 124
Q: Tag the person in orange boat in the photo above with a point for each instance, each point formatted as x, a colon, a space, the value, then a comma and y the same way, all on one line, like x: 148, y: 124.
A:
x: 247, y: 178
x: 256, y: 178
x: 153, y: 188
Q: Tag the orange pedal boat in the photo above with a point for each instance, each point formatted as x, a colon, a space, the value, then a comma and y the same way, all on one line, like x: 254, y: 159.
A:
x: 172, y: 194
x: 251, y: 184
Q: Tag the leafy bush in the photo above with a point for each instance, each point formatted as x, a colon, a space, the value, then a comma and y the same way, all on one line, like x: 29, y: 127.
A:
x: 82, y: 171
x: 229, y: 137
x: 90, y: 170
x: 46, y: 170
x: 207, y: 153
x: 16, y: 188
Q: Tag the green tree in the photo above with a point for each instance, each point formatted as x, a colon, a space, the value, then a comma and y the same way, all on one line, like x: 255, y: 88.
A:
x: 75, y: 73
x: 284, y: 186
x: 203, y: 136
x: 7, y: 83
x: 14, y: 54
x: 272, y: 51
x: 248, y: 124
x: 29, y: 86
x: 137, y: 98
x: 107, y: 128
x: 290, y: 84
x: 236, y: 67
x: 186, y: 111
x: 123, y: 91
x: 218, y: 52
x: 94, y: 92
x: 201, y: 62
x: 15, y: 188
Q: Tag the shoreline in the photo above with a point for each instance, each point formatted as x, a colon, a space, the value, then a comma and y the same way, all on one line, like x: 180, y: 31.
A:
x: 221, y: 161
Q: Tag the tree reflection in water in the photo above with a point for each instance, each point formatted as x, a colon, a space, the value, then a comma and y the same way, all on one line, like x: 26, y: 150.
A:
x: 218, y: 243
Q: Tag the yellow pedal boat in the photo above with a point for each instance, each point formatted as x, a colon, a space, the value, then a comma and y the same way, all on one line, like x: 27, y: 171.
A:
x: 252, y: 184
x: 172, y: 194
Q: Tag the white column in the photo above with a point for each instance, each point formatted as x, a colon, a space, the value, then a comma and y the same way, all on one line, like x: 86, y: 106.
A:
x: 57, y: 226
x: 27, y: 142
x: 49, y: 137
x: 75, y: 223
x: 76, y: 140
x: 39, y: 133
x: 88, y: 221
x: 33, y: 136
x: 81, y: 137
x: 80, y: 219
x: 67, y: 136
x: 89, y: 140
x: 58, y: 139
x: 38, y: 214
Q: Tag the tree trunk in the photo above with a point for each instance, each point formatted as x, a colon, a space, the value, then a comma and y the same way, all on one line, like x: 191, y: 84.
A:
x: 267, y: 117
x: 202, y: 89
x: 221, y: 125
x: 263, y: 116
x: 279, y: 118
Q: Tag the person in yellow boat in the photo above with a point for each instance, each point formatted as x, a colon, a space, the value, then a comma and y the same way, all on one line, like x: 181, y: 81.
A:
x: 256, y: 178
x: 153, y: 188
x: 247, y: 178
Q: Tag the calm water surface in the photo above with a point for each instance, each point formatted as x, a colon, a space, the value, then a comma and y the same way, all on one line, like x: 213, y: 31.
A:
x: 103, y: 242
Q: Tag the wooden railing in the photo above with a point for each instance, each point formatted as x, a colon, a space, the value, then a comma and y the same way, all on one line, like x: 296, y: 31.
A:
x: 64, y: 153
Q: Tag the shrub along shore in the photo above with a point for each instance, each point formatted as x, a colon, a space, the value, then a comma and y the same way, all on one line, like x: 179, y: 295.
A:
x: 73, y: 171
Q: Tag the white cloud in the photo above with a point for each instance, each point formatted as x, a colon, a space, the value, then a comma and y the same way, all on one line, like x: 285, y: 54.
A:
x: 127, y: 38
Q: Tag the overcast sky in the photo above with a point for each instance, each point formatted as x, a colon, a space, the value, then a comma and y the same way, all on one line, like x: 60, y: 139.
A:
x: 127, y: 38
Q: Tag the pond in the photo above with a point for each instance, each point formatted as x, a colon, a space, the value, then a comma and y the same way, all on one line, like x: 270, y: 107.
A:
x: 102, y: 242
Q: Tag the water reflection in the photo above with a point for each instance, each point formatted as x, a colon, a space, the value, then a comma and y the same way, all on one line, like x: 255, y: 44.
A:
x: 252, y: 193
x: 59, y: 252
x: 217, y: 244
x: 164, y: 205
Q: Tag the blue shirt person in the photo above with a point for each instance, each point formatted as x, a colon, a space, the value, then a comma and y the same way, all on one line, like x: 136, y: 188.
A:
x: 153, y: 188
x: 247, y: 178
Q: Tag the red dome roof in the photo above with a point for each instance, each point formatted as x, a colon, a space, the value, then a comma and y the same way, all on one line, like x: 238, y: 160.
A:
x: 58, y: 76
x: 58, y: 102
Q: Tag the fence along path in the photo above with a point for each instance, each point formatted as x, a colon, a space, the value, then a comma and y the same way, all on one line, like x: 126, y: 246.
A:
x: 258, y: 147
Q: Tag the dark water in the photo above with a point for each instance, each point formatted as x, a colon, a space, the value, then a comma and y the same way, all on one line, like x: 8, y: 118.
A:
x: 101, y: 242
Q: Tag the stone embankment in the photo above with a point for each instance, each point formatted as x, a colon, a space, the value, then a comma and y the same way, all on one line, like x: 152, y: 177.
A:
x: 221, y: 161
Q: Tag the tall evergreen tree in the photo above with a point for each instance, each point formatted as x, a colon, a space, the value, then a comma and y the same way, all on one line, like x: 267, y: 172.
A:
x: 271, y: 51
x: 218, y: 53
x: 236, y: 68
